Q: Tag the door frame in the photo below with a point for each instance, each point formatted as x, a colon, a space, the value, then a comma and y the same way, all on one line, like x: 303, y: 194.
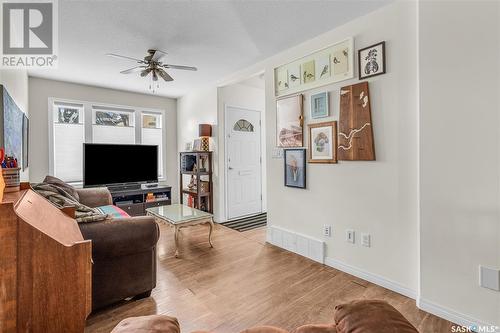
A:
x: 226, y: 127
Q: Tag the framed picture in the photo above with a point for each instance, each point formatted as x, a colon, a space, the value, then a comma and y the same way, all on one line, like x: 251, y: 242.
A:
x: 319, y: 105
x: 289, y: 122
x: 197, y: 145
x: 371, y: 61
x: 295, y: 167
x: 323, y: 142
x: 330, y: 64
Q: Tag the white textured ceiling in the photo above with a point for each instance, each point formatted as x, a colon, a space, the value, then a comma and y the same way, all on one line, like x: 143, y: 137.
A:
x: 219, y: 37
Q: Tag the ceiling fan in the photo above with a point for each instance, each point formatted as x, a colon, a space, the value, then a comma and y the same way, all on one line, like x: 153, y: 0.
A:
x: 151, y: 64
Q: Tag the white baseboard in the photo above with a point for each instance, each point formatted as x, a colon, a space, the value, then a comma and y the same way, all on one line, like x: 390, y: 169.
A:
x: 373, y: 278
x: 303, y: 245
x: 455, y: 317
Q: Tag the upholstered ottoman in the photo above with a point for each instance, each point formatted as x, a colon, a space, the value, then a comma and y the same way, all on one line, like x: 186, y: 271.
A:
x: 361, y: 316
x: 148, y: 324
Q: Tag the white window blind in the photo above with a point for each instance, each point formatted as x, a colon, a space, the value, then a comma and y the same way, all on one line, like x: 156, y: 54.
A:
x: 69, y: 136
x: 75, y: 123
x: 113, y: 126
x: 152, y: 134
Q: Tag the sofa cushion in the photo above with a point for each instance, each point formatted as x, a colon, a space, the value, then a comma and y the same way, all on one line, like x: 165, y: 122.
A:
x: 113, y: 211
x: 264, y: 329
x: 148, y: 324
x: 327, y: 328
x: 370, y: 316
x: 62, y: 185
x: 120, y: 237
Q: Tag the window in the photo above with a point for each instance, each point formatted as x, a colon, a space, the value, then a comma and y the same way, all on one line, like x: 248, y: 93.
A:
x: 75, y: 123
x: 113, y: 126
x: 69, y: 136
x: 243, y: 125
x: 152, y: 134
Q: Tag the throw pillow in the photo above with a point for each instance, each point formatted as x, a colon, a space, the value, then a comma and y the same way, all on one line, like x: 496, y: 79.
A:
x: 370, y: 316
x: 113, y: 211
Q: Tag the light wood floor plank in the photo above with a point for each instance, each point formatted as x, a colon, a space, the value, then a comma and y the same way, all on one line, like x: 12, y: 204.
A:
x: 243, y: 282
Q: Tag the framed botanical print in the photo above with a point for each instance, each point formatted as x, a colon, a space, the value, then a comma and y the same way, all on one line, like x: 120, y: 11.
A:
x: 319, y: 105
x: 289, y: 122
x: 295, y: 167
x: 371, y: 60
x: 323, y: 142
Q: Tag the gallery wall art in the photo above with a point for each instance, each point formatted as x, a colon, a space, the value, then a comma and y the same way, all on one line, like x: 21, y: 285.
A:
x: 12, y: 127
x: 295, y: 167
x: 371, y: 60
x: 332, y: 64
x: 319, y: 105
x: 289, y: 121
x: 323, y: 142
x: 355, y: 132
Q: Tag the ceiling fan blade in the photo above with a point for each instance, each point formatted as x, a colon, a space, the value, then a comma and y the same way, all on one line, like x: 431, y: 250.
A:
x: 187, y: 68
x: 158, y: 55
x: 133, y: 70
x: 124, y: 57
x: 145, y: 72
x: 164, y: 75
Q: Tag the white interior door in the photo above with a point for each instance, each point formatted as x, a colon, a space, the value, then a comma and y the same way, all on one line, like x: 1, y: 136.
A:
x: 243, y: 162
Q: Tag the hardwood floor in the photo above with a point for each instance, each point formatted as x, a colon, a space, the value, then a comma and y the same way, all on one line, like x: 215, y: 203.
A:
x: 243, y: 282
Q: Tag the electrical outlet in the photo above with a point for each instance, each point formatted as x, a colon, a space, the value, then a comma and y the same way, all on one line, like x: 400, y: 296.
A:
x: 327, y: 230
x: 349, y: 236
x: 365, y: 239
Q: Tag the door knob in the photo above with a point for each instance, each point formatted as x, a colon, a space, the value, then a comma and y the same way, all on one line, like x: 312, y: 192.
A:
x: 230, y: 168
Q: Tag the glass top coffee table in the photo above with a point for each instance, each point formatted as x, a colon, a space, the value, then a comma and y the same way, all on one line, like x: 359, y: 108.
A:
x: 181, y: 216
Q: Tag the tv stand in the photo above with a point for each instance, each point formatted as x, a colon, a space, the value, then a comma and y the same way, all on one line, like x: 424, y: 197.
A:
x: 124, y: 187
x: 135, y: 200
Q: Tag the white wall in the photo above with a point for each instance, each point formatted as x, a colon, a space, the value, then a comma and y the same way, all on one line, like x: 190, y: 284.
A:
x: 200, y: 107
x: 248, y: 97
x: 207, y: 106
x: 40, y: 90
x: 431, y: 200
x: 380, y: 197
x: 376, y: 197
x: 16, y: 83
x: 460, y: 156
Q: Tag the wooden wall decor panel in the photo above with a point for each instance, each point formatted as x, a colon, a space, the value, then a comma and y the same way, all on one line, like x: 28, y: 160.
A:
x: 355, y: 124
x: 45, y: 281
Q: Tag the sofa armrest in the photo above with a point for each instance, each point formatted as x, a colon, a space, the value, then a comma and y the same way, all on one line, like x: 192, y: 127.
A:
x: 122, y: 236
x: 95, y: 196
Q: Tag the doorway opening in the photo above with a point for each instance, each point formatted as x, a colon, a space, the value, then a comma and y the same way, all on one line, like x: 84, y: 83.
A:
x: 243, y: 105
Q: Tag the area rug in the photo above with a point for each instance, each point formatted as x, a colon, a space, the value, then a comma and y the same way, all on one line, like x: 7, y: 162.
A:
x: 247, y: 223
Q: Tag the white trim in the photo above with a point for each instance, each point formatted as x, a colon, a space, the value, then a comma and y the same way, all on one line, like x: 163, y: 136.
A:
x: 451, y: 315
x: 373, y: 278
x: 226, y: 127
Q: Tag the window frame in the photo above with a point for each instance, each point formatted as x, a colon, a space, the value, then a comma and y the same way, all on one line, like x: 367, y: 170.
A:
x: 88, y: 116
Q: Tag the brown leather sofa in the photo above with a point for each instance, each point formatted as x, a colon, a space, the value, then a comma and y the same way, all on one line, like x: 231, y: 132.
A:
x: 123, y: 252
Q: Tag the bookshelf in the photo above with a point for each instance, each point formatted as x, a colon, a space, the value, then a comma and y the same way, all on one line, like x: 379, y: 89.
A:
x: 196, y: 189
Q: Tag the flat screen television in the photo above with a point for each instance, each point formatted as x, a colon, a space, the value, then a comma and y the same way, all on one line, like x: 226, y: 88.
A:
x: 111, y: 164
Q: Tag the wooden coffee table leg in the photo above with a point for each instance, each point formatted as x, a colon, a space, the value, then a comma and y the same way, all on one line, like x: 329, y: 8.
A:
x: 176, y: 238
x: 211, y: 223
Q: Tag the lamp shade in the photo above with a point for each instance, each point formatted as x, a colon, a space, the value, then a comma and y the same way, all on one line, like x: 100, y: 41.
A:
x: 205, y: 130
